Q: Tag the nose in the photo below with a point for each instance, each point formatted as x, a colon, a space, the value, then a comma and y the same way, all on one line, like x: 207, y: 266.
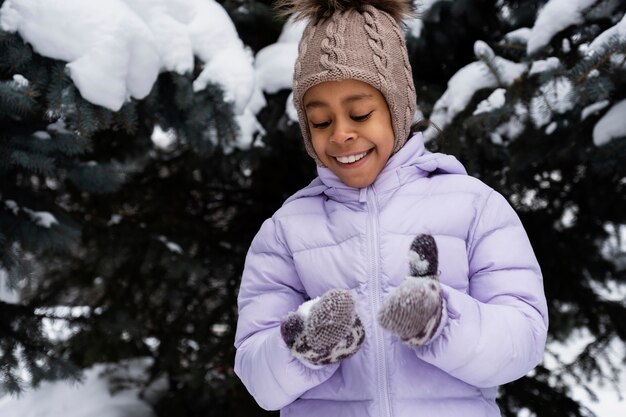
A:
x: 342, y: 132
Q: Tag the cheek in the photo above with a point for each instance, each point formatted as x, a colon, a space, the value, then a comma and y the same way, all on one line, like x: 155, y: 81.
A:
x: 318, y: 144
x: 386, y: 141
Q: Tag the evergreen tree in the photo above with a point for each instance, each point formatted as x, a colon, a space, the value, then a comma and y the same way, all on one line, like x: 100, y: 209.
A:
x: 558, y: 180
x: 537, y: 150
x: 45, y: 134
x: 150, y: 242
x: 90, y: 216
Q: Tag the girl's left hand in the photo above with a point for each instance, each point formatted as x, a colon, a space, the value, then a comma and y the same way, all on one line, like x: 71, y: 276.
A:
x: 413, y: 310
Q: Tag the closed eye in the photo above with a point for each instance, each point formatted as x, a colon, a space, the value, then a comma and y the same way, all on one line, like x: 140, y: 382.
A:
x: 362, y: 118
x: 320, y: 125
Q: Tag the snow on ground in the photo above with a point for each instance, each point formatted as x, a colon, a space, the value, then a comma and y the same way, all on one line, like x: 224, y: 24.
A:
x: 91, y: 398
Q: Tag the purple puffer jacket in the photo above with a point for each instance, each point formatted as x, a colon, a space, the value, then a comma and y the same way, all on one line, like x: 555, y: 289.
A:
x: 331, y: 236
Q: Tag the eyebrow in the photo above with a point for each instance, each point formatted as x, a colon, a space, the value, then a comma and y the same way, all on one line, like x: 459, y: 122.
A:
x: 349, y: 99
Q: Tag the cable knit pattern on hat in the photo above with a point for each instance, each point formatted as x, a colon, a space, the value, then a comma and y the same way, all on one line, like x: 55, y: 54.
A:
x: 333, y: 56
x: 361, y: 43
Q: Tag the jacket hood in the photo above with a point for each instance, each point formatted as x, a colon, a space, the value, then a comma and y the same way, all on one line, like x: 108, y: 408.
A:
x: 412, y: 161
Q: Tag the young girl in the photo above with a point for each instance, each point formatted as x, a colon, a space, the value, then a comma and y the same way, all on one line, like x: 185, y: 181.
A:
x: 394, y: 284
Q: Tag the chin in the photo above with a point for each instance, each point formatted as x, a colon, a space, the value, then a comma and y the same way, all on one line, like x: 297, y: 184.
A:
x: 357, y: 183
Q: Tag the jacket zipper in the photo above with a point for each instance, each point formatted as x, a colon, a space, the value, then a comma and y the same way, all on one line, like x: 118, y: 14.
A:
x: 375, y: 302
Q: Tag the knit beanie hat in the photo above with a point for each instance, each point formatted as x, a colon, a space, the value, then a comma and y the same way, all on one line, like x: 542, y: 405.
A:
x: 359, y: 40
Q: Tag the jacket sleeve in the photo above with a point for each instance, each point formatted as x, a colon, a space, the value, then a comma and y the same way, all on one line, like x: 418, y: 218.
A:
x: 270, y: 288
x: 497, y: 332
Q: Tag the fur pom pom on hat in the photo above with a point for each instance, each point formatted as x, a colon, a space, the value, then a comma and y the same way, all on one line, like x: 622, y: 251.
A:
x: 359, y: 40
x: 318, y: 9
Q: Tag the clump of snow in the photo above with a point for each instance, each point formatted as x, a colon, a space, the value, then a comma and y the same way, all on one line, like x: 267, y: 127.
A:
x: 415, y: 25
x: 7, y: 293
x: 569, y: 217
x: 248, y: 127
x: 227, y: 71
x: 614, y: 250
x: 512, y: 128
x: 467, y: 81
x: 172, y: 246
x: 611, y: 125
x: 617, y: 32
x: 110, y: 50
x: 274, y: 63
x: 219, y: 329
x: 551, y: 128
x: 555, y: 96
x: 20, y: 80
x: 555, y: 16
x: 58, y: 127
x: 163, y: 139
x: 290, y: 109
x: 544, y: 65
x: 482, y: 50
x: 540, y: 113
x: 520, y: 35
x: 12, y: 206
x: 41, y: 135
x: 495, y: 101
x: 41, y: 218
x: 115, y: 219
x: 593, y: 108
x: 305, y: 308
x: 57, y: 325
x: 115, y: 49
x: 558, y: 94
x: 274, y: 66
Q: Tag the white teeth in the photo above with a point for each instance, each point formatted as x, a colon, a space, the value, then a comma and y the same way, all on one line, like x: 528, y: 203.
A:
x: 350, y: 159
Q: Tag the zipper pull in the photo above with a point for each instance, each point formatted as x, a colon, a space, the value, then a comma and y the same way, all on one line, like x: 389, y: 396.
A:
x: 363, y: 195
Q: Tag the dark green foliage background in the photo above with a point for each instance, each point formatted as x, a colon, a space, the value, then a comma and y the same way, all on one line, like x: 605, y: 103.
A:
x: 118, y: 200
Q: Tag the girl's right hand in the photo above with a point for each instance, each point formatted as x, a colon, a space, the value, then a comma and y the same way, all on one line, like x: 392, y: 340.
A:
x: 325, y: 330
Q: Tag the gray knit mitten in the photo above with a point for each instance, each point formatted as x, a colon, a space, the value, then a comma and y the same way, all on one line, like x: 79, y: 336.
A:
x: 413, y: 310
x: 324, y: 330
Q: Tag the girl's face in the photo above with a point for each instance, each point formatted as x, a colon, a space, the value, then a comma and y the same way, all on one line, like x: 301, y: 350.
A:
x: 350, y: 128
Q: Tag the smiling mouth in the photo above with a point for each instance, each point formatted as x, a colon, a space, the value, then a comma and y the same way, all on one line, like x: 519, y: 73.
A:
x: 350, y: 159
